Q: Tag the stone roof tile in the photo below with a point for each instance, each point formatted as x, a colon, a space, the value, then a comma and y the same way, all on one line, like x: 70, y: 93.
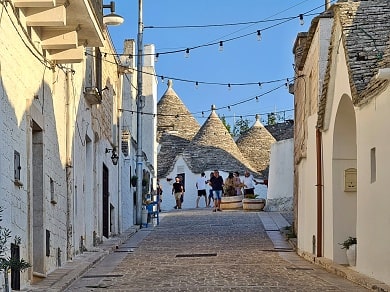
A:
x: 255, y: 145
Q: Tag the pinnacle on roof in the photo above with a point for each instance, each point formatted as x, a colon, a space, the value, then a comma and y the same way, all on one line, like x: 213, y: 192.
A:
x: 255, y: 145
x: 173, y: 115
x: 214, y: 148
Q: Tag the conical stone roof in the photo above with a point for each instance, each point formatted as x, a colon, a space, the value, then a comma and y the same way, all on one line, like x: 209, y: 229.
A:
x: 214, y: 148
x: 173, y: 115
x: 255, y: 145
x: 175, y: 129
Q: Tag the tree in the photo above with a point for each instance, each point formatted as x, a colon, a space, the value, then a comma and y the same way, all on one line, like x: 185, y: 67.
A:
x: 9, y: 263
x: 272, y: 119
x: 223, y: 119
x: 240, y: 127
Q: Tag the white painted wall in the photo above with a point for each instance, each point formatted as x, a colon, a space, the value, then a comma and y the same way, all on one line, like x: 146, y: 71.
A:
x: 373, y: 215
x: 281, y: 176
x: 32, y: 96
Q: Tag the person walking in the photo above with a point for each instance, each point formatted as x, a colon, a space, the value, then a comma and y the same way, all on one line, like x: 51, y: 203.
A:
x: 159, y: 193
x: 201, y: 187
x: 177, y: 191
x: 217, y: 185
x: 249, y: 184
x: 211, y: 195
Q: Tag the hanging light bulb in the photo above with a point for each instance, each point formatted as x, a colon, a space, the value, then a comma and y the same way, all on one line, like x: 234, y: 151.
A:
x: 196, y: 85
x: 287, y: 83
x: 229, y: 87
x: 202, y: 114
x: 259, y: 84
x: 220, y: 46
x: 187, y: 54
x: 259, y: 35
x: 156, y: 57
x: 301, y: 21
x: 257, y: 99
x: 229, y: 108
x: 162, y: 79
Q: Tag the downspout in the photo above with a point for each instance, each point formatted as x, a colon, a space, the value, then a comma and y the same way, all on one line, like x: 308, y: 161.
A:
x: 69, y: 167
x: 29, y: 203
x: 119, y: 169
x: 319, y: 191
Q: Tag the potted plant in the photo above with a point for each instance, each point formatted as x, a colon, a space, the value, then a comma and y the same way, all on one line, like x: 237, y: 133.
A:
x: 253, y: 203
x: 350, y: 246
x: 133, y: 180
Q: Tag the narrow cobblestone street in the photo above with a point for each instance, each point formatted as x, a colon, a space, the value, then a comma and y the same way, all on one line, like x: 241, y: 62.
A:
x: 198, y: 250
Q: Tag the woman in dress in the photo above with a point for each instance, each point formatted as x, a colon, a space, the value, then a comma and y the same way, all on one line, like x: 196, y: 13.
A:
x: 237, y: 184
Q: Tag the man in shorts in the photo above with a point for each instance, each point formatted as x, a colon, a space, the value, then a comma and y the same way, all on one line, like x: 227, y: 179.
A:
x: 201, y: 187
x: 217, y: 184
x: 177, y: 191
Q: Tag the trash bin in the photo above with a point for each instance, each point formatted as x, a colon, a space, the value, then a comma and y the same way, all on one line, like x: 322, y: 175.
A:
x: 144, y: 216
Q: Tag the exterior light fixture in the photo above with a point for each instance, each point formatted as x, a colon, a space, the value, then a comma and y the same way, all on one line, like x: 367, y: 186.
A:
x: 112, y: 18
x: 94, y: 95
x: 114, y: 156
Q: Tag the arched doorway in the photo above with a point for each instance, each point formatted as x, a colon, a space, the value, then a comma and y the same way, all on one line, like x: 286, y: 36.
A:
x: 344, y: 162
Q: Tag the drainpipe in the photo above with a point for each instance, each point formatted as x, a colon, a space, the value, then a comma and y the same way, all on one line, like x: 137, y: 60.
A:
x: 119, y: 167
x: 69, y: 167
x: 29, y: 203
x: 319, y: 191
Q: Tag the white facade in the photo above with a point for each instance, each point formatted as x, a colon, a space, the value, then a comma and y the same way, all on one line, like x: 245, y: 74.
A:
x: 353, y: 139
x: 281, y: 169
x: 60, y: 190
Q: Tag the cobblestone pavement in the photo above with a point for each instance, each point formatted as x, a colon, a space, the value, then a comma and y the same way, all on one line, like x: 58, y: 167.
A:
x: 198, y: 250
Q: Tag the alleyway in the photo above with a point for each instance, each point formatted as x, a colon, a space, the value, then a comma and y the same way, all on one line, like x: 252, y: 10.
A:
x: 197, y: 250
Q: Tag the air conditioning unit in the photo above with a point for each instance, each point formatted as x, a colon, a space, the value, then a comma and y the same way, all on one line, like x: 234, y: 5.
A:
x: 92, y: 95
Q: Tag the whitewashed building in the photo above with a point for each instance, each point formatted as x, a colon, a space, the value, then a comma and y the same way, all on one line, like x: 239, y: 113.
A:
x: 342, y: 106
x: 187, y: 150
x: 64, y: 123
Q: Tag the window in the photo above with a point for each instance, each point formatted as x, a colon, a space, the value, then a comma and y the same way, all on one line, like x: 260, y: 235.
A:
x: 373, y: 164
x: 53, y: 196
x: 17, y: 169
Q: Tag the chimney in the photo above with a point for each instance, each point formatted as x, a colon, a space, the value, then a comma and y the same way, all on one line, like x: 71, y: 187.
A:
x: 327, y: 4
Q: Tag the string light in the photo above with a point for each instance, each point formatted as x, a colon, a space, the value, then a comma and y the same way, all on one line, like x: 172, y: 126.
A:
x: 156, y: 57
x: 282, y: 21
x: 229, y: 87
x: 202, y: 114
x: 228, y: 108
x: 196, y: 85
x: 257, y: 99
x: 258, y: 35
x: 220, y: 46
x: 187, y: 54
x: 301, y: 21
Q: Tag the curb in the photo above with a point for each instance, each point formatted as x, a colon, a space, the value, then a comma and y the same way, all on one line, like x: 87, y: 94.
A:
x: 345, y: 272
x: 61, y: 278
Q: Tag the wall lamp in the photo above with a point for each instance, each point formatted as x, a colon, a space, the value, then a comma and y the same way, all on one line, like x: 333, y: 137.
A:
x: 112, y: 18
x: 114, y: 156
x: 94, y: 95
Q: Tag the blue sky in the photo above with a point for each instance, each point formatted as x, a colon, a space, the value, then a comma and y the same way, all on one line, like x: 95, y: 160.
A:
x: 243, y: 60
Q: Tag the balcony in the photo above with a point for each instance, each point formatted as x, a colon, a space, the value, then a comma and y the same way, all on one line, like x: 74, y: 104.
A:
x: 64, y: 27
